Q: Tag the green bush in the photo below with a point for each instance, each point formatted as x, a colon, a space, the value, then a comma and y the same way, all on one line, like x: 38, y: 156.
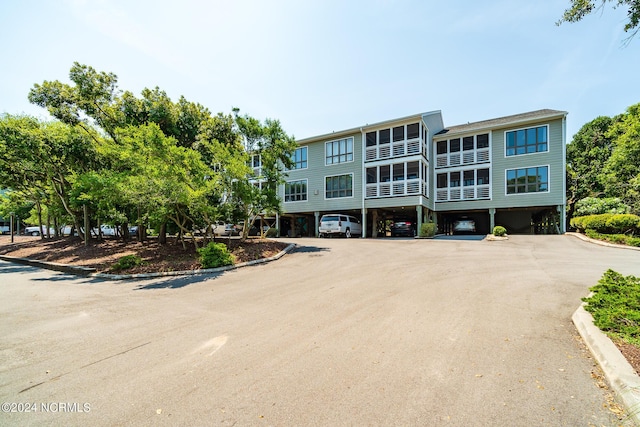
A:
x: 272, y: 232
x: 591, y: 222
x: 615, y: 306
x: 215, y: 255
x: 126, y: 262
x: 621, y: 239
x: 428, y: 229
x: 499, y: 231
x: 624, y: 223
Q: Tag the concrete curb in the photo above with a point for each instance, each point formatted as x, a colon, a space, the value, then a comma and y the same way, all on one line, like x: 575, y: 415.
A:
x: 620, y: 374
x: 82, y: 271
x: 90, y: 272
x: 600, y: 242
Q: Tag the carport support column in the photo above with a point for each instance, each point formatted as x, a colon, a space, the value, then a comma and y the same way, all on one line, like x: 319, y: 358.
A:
x: 317, y: 217
x: 492, y: 219
x: 364, y: 223
x: 420, y: 218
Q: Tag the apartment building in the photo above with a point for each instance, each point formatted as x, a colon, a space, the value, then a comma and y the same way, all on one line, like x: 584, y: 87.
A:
x: 507, y: 171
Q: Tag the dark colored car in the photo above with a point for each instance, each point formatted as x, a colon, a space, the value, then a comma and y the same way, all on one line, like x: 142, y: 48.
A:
x: 403, y: 227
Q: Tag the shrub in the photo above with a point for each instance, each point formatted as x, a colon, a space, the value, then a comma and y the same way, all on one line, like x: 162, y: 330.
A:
x: 215, y: 255
x: 428, y: 229
x: 624, y: 223
x: 499, y: 231
x: 615, y: 306
x: 597, y: 206
x: 126, y: 262
x: 591, y: 222
x: 272, y: 232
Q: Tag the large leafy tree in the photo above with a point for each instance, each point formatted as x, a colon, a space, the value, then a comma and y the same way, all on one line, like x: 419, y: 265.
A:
x: 256, y: 194
x: 580, y: 8
x: 587, y: 154
x: 621, y: 172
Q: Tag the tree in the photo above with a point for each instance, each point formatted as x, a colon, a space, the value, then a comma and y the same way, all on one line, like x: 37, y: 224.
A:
x: 257, y: 193
x: 581, y: 8
x: 587, y: 154
x: 621, y: 172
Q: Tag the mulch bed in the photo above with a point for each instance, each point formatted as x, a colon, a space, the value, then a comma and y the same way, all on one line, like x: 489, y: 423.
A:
x: 156, y: 257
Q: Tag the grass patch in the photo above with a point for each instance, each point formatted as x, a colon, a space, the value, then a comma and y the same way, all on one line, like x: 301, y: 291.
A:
x: 126, y: 262
x: 615, y: 306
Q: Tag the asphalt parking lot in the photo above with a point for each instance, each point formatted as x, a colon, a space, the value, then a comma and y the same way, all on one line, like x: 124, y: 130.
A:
x: 339, y: 332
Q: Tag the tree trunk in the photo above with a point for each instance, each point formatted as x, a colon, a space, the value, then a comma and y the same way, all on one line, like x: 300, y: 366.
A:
x: 162, y: 234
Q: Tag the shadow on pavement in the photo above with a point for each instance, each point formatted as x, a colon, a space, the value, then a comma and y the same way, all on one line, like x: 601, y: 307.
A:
x: 309, y: 249
x: 178, y: 281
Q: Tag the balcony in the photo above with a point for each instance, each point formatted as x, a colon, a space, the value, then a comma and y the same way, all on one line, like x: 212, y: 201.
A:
x: 468, y: 157
x: 471, y: 192
x: 409, y: 187
x: 394, y: 149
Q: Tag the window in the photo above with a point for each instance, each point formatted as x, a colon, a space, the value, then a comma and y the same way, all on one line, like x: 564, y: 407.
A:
x: 385, y: 173
x: 255, y: 161
x: 454, y: 179
x: 442, y: 180
x: 483, y: 176
x: 385, y: 136
x: 469, y: 178
x: 467, y: 143
x: 528, y: 180
x: 339, y: 186
x: 372, y: 175
x: 398, y: 133
x: 441, y: 147
x: 454, y: 145
x: 527, y: 141
x: 371, y: 139
x: 413, y: 170
x: 398, y: 172
x: 340, y: 151
x: 295, y: 191
x: 413, y: 131
x: 299, y: 158
x: 482, y: 141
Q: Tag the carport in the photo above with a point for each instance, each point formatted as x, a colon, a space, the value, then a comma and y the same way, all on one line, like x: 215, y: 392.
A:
x: 534, y: 220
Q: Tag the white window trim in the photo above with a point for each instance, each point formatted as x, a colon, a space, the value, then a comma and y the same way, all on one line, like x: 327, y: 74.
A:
x: 324, y: 183
x: 528, y: 194
x: 353, y: 151
x: 526, y: 154
x: 284, y: 191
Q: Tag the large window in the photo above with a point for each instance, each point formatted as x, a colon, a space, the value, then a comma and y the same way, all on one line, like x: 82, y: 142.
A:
x: 527, y: 141
x: 340, y: 151
x: 299, y: 158
x: 295, y: 191
x: 339, y: 186
x: 528, y: 180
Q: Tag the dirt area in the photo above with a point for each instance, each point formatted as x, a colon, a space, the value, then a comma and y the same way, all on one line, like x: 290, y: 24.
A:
x: 156, y: 258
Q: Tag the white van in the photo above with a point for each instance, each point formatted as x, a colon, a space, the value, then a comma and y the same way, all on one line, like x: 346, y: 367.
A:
x: 338, y: 224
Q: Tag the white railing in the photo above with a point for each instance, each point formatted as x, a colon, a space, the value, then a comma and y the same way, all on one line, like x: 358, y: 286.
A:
x: 394, y: 149
x: 397, y: 188
x: 468, y: 157
x: 472, y: 192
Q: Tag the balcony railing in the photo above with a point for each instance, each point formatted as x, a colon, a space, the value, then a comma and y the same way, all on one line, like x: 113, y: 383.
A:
x: 462, y: 158
x: 409, y: 187
x: 394, y: 149
x: 471, y: 192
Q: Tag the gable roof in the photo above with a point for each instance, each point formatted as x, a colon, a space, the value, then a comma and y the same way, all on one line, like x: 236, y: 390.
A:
x: 515, y: 119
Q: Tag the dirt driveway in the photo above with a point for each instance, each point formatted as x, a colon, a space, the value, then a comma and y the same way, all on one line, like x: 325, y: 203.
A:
x: 340, y: 332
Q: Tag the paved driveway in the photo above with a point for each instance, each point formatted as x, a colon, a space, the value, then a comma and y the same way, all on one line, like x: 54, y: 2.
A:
x: 341, y: 332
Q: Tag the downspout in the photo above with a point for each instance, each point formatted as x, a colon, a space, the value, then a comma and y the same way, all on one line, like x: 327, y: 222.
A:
x: 563, y: 213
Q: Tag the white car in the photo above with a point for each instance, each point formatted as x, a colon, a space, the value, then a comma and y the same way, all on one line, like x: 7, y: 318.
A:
x: 340, y: 225
x: 36, y: 231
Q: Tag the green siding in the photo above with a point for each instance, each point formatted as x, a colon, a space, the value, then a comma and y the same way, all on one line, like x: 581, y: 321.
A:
x: 554, y: 158
x: 316, y: 173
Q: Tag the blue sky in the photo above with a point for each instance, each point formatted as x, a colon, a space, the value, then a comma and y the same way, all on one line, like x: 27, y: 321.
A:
x: 320, y: 66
